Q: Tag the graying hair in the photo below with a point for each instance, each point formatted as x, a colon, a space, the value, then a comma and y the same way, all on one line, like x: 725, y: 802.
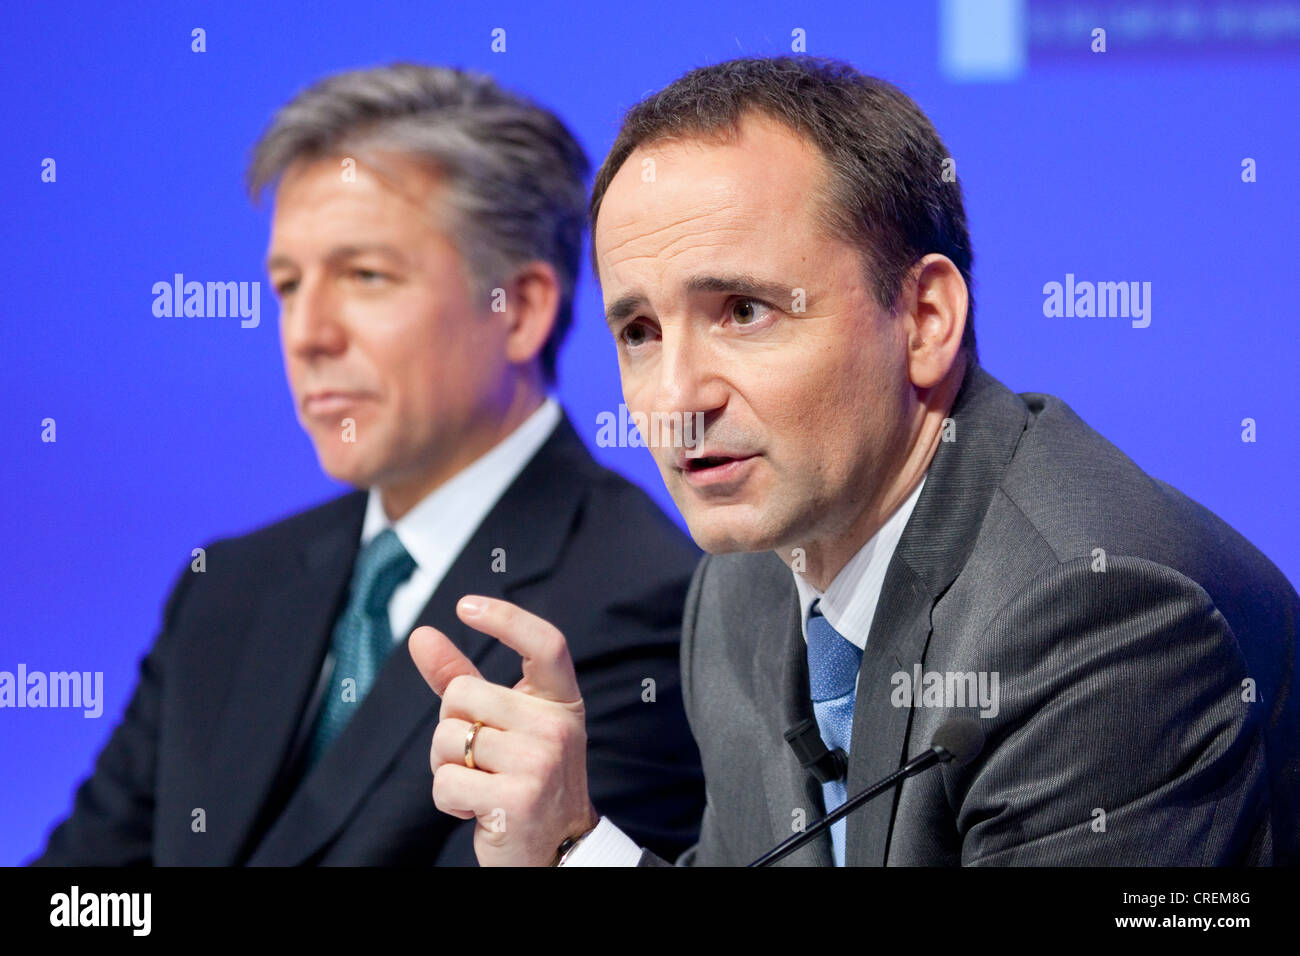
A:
x: 515, y: 174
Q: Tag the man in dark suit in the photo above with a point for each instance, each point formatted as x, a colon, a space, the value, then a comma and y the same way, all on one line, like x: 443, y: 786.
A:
x: 895, y: 537
x: 424, y: 247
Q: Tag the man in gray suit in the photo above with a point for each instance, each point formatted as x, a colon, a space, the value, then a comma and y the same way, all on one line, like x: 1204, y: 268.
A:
x: 895, y: 536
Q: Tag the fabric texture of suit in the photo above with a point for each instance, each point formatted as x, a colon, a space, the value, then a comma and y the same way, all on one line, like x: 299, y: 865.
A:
x: 1146, y: 712
x: 226, y: 684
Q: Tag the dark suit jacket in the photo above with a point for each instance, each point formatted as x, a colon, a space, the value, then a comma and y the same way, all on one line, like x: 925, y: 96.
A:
x: 228, y: 680
x: 1126, y: 731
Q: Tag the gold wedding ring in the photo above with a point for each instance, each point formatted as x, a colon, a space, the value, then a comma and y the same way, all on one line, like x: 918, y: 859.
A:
x: 469, y: 743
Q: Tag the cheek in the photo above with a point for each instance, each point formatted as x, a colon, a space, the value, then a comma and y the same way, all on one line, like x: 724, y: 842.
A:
x: 636, y: 396
x: 815, y: 422
x: 639, y: 393
x: 291, y: 373
x: 803, y: 405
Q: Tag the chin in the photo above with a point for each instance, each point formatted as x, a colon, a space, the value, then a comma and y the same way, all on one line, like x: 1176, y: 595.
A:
x: 728, y: 537
x: 348, y: 471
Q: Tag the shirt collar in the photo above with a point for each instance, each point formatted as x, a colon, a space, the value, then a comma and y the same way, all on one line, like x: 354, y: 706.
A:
x: 849, y: 603
x: 443, y: 520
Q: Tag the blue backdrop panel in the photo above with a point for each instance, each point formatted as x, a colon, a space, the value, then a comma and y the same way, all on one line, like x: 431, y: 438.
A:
x: 1117, y: 166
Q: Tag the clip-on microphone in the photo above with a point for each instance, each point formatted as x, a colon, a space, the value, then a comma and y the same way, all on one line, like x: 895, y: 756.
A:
x: 806, y: 741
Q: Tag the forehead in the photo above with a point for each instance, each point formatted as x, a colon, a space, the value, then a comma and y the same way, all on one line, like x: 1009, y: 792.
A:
x: 390, y: 192
x: 735, y: 199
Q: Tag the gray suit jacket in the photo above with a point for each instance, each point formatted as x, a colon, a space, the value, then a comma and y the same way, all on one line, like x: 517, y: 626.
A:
x: 1145, y: 713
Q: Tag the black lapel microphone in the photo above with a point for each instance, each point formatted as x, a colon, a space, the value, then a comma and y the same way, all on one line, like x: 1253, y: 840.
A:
x: 810, y: 750
x: 958, y: 739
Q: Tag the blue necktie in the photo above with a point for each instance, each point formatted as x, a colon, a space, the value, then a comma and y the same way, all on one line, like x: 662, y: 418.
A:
x: 833, y: 663
x: 363, y: 636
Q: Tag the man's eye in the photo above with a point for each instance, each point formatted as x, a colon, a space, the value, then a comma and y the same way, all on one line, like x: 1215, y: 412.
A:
x: 368, y: 276
x: 284, y: 288
x: 748, y: 311
x: 633, y: 334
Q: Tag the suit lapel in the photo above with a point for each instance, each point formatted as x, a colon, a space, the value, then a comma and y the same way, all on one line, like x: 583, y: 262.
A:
x: 277, y: 673
x: 781, y: 661
x: 899, y: 632
x: 400, y: 703
x: 935, y: 544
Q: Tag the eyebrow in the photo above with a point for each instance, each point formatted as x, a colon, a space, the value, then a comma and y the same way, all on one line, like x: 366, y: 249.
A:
x: 341, y: 253
x: 737, y: 284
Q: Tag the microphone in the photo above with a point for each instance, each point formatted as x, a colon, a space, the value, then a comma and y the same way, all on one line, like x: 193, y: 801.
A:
x: 810, y: 750
x: 958, y: 740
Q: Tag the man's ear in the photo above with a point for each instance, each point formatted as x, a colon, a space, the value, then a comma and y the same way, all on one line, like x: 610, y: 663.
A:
x: 532, y: 305
x: 935, y: 306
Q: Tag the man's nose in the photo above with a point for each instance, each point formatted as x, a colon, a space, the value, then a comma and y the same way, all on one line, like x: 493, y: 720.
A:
x: 691, y: 383
x: 310, y: 322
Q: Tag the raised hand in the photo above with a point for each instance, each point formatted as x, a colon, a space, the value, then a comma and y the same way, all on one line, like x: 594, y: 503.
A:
x: 528, y: 784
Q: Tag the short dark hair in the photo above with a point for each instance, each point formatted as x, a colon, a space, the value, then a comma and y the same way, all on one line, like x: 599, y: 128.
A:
x: 891, y: 188
x: 515, y: 174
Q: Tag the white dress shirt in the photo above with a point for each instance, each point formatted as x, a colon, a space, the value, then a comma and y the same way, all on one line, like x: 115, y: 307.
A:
x: 849, y: 605
x: 437, y: 529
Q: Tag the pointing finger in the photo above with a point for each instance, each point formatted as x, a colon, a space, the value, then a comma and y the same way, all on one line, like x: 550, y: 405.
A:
x: 548, y: 670
x: 438, y: 659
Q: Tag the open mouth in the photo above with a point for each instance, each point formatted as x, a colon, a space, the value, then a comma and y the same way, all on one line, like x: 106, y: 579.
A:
x: 717, y: 472
x: 703, y: 464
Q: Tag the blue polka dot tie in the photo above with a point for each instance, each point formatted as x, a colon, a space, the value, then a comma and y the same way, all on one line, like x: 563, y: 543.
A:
x: 363, y: 636
x: 833, y: 663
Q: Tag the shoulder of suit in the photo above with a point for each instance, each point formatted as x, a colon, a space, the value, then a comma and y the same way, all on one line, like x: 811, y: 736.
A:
x: 1069, y: 480
x: 1080, y: 492
x: 293, y: 529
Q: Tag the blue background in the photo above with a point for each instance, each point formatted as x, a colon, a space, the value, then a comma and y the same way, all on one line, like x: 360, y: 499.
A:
x: 173, y: 432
